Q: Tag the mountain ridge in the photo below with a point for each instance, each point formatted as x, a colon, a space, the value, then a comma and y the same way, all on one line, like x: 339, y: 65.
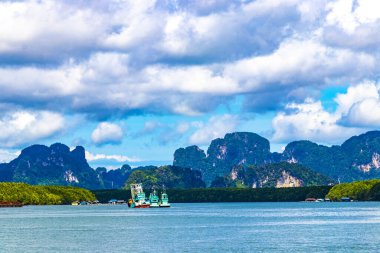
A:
x: 358, y: 157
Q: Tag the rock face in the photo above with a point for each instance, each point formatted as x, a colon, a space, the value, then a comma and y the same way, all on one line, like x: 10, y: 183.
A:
x: 279, y: 175
x: 54, y: 165
x: 224, y: 153
x: 57, y: 165
x: 190, y: 157
x: 170, y: 176
x: 331, y: 161
x: 358, y: 158
x: 114, y: 179
x: 287, y: 180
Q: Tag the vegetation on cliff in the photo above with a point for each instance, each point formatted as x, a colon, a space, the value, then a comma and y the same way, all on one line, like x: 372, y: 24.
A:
x: 43, y: 195
x: 54, y: 165
x: 170, y: 176
x: 358, y: 158
x: 225, y: 153
x: 271, y: 175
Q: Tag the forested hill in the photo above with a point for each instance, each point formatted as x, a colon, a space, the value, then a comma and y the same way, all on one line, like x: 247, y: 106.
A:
x: 54, y: 165
x: 356, y: 159
x: 238, y: 160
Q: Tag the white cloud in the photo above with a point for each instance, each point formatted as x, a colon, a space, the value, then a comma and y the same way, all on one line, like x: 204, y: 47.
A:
x: 353, y: 24
x: 8, y: 155
x: 138, y: 24
x: 365, y: 113
x: 39, y: 28
x: 119, y: 158
x: 357, y: 111
x: 127, y: 56
x: 349, y: 14
x: 105, y: 82
x: 356, y: 94
x: 360, y: 105
x: 107, y: 133
x: 308, y: 121
x: 24, y: 127
x: 300, y: 62
x: 216, y: 127
x: 188, y: 57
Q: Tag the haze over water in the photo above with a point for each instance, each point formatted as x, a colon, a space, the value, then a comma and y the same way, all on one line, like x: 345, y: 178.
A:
x: 202, y: 227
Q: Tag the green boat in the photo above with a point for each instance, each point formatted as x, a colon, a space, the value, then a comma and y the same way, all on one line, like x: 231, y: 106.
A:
x: 138, y: 197
x: 164, y: 201
x: 154, y: 199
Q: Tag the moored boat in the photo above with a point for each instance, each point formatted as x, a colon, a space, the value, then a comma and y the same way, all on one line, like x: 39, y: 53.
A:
x: 164, y: 201
x: 154, y: 199
x: 138, y: 197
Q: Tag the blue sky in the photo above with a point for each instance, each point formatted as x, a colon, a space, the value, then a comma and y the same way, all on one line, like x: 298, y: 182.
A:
x: 134, y: 80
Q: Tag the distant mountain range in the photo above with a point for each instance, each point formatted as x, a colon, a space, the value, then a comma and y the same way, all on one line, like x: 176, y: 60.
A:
x: 357, y: 158
x: 239, y: 159
x: 57, y: 165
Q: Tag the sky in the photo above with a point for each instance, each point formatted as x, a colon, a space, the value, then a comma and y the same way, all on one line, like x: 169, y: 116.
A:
x: 132, y: 81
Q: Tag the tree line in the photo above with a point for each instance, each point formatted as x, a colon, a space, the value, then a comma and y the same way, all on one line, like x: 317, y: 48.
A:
x: 368, y: 190
x: 227, y: 194
x: 43, y: 195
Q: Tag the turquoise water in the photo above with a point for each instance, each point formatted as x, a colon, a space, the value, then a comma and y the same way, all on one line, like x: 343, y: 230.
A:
x: 206, y: 227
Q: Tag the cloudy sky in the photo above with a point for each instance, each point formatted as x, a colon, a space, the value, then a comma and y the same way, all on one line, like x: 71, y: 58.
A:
x: 134, y: 80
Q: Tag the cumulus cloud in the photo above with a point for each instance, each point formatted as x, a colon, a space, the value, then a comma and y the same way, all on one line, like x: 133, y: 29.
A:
x: 107, y: 133
x: 365, y: 113
x: 128, y: 57
x: 105, y: 85
x: 8, y: 155
x: 118, y: 158
x: 120, y: 58
x: 353, y: 24
x: 216, y: 127
x: 298, y: 61
x: 34, y: 30
x: 357, y: 110
x: 360, y: 105
x: 308, y: 121
x: 24, y: 127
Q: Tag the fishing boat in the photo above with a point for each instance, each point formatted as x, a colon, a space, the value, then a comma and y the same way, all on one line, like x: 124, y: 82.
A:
x: 138, y: 199
x: 154, y: 199
x: 164, y: 201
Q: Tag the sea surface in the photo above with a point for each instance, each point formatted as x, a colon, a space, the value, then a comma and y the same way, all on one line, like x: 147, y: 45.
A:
x: 201, y: 227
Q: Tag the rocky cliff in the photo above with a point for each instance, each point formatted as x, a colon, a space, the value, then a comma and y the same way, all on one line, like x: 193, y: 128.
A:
x: 54, y: 165
x: 356, y: 159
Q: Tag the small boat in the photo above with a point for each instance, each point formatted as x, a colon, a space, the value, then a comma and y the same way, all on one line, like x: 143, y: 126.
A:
x: 10, y: 204
x: 310, y: 200
x: 138, y: 197
x: 112, y: 201
x: 75, y: 203
x: 164, y: 201
x: 154, y: 199
x: 96, y: 202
